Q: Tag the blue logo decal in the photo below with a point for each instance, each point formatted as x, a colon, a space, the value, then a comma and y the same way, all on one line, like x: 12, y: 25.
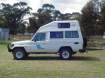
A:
x: 39, y: 46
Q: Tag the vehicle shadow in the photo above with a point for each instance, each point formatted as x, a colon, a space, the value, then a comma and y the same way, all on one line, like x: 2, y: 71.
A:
x: 94, y: 49
x: 85, y: 58
x: 53, y: 58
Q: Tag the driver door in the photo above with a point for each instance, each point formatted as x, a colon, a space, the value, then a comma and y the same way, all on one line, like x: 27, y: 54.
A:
x: 40, y: 42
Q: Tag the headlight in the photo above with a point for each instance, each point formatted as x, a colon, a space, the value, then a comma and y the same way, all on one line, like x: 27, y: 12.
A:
x: 11, y: 45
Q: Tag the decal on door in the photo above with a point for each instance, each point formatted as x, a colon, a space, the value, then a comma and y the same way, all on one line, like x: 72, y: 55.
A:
x: 39, y: 46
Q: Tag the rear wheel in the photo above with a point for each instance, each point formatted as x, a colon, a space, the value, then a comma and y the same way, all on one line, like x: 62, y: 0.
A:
x: 19, y: 54
x: 65, y: 54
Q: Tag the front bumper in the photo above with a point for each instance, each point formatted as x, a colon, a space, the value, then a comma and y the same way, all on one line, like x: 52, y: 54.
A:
x: 8, y: 46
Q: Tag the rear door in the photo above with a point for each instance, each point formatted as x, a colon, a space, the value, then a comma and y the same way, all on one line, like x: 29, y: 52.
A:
x: 73, y: 39
x: 55, y: 41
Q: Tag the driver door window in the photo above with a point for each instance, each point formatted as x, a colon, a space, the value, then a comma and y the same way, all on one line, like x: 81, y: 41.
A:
x: 40, y: 37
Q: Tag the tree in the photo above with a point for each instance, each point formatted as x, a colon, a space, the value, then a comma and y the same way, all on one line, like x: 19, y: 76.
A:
x: 44, y: 15
x: 88, y: 19
x: 103, y: 17
x: 66, y: 16
x: 22, y: 27
x: 14, y: 15
x: 2, y: 22
x: 33, y: 25
x: 48, y: 7
x: 93, y: 21
x: 56, y: 15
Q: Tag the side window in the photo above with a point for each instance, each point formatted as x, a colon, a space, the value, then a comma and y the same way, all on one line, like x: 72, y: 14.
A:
x: 71, y: 34
x: 40, y: 37
x: 63, y: 25
x: 58, y: 34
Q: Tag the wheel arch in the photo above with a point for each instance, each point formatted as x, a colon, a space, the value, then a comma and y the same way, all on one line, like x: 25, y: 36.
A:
x: 19, y: 48
x: 63, y: 47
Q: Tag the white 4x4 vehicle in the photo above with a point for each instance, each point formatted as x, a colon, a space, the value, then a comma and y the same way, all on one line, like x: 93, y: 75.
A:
x: 61, y: 37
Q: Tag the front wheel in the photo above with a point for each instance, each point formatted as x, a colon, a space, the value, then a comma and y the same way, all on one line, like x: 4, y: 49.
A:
x: 19, y: 54
x: 65, y: 54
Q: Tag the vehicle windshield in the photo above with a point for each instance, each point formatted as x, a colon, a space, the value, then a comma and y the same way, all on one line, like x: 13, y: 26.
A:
x: 33, y: 37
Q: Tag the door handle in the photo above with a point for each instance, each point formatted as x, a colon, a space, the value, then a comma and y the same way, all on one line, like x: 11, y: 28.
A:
x: 76, y: 43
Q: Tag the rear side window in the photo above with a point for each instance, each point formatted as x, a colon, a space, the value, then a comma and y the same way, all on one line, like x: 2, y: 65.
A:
x: 58, y: 34
x: 71, y: 34
x: 63, y: 25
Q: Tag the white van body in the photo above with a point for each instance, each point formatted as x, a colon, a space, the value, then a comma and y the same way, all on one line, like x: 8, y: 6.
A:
x: 51, y: 37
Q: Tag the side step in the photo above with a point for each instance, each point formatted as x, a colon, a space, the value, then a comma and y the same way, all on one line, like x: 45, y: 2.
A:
x: 41, y: 53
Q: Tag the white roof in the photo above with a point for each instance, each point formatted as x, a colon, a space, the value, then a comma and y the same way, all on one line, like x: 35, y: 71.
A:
x: 53, y: 26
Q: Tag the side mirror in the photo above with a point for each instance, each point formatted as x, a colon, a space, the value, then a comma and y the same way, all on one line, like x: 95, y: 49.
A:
x: 34, y: 40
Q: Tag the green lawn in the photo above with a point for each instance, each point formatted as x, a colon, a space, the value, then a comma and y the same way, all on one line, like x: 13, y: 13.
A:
x: 88, y: 65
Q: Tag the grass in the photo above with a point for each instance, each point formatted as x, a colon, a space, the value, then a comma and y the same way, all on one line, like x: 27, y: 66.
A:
x: 88, y: 65
x: 96, y: 42
x: 4, y: 42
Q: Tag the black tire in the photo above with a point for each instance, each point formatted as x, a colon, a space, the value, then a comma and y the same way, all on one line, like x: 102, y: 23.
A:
x: 65, y: 53
x: 19, y: 54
